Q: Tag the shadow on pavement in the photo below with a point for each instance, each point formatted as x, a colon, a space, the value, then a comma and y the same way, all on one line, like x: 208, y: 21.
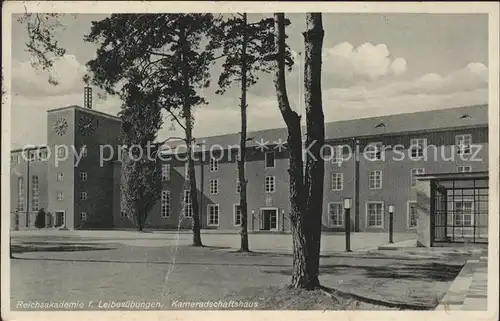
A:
x: 426, y: 272
x: 27, y: 247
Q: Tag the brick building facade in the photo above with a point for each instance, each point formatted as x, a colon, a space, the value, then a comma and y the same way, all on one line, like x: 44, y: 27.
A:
x: 377, y: 165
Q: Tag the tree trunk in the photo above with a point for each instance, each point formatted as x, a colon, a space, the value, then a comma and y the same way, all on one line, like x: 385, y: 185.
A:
x: 189, y: 141
x: 315, y: 166
x: 243, y: 139
x: 300, y: 276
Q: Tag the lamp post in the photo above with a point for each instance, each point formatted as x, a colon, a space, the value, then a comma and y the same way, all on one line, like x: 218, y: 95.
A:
x: 391, y: 222
x: 347, y: 223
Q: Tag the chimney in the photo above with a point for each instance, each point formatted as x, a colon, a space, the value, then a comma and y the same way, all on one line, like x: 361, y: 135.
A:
x: 87, y: 97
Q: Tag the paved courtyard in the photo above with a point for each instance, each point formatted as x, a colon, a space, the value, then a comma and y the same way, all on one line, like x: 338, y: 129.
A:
x: 280, y: 243
x: 161, y: 267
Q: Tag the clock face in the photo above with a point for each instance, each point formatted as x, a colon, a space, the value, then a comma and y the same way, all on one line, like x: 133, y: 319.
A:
x: 60, y: 126
x: 87, y: 125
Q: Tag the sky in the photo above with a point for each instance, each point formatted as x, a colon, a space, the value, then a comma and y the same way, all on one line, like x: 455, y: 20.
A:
x: 373, y: 64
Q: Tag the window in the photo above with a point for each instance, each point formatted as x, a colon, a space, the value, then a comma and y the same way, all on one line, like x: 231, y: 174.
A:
x: 414, y: 172
x: 374, y: 213
x: 60, y: 196
x: 42, y: 155
x: 213, y: 215
x: 83, y: 216
x: 335, y: 214
x: 188, y: 205
x: 270, y: 184
x: 214, y: 165
x: 83, y: 151
x: 269, y: 159
x: 375, y: 179
x: 337, y: 181
x: 14, y: 159
x: 60, y: 176
x: 165, y: 203
x: 165, y: 172
x: 83, y: 176
x: 373, y: 151
x: 20, y: 194
x: 337, y: 155
x: 412, y: 214
x: 463, y: 143
x: 463, y: 213
x: 123, y: 214
x: 31, y: 156
x: 417, y: 147
x: 34, y: 191
x: 83, y: 196
x: 214, y: 186
x: 464, y: 169
x: 237, y: 215
x: 61, y: 152
x: 238, y: 187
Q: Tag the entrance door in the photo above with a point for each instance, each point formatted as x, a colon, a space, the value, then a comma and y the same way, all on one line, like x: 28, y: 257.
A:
x: 49, y: 220
x: 60, y: 218
x: 269, y: 219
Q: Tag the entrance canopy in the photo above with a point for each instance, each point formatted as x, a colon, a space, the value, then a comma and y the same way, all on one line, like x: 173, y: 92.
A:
x: 457, y: 206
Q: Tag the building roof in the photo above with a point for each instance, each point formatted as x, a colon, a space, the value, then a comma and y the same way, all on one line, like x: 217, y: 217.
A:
x: 431, y: 120
x: 86, y: 110
x: 436, y: 119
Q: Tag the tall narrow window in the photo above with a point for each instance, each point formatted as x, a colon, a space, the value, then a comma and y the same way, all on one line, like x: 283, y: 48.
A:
x: 337, y: 155
x: 463, y: 144
x: 61, y: 151
x: 412, y: 214
x: 373, y: 151
x: 335, y: 214
x: 60, y: 196
x: 213, y: 214
x: 83, y: 196
x: 237, y: 215
x: 270, y: 184
x: 417, y: 147
x: 269, y: 159
x: 337, y: 181
x: 375, y: 179
x: 165, y: 203
x: 83, y: 176
x: 35, y: 192
x: 214, y: 186
x: 165, y: 172
x: 188, y: 205
x: 20, y: 194
x: 214, y: 164
x: 375, y: 214
x: 413, y: 175
x: 60, y: 176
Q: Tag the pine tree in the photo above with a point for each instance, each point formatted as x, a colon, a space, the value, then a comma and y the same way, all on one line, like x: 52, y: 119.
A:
x: 306, y: 185
x: 169, y: 53
x: 244, y: 48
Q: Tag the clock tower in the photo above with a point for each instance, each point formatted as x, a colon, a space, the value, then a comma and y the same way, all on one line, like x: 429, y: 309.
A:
x: 81, y: 183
